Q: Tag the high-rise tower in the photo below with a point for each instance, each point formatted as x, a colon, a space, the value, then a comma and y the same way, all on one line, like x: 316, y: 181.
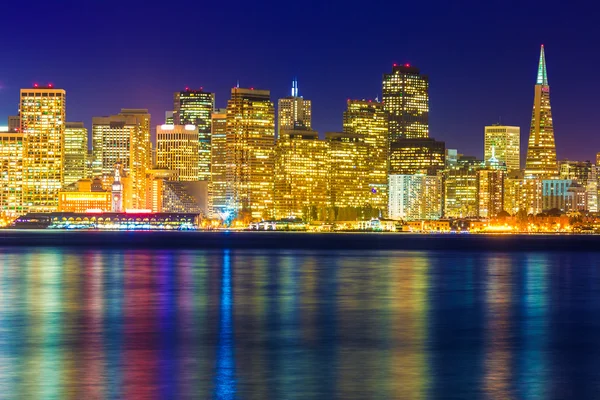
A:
x: 406, y: 99
x: 43, y: 126
x: 195, y: 107
x: 250, y: 145
x: 541, y: 151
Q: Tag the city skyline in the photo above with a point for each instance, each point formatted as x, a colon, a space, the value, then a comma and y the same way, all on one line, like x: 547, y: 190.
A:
x: 479, y: 75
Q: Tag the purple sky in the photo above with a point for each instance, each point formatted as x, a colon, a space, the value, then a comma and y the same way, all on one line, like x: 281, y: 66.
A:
x: 481, y: 58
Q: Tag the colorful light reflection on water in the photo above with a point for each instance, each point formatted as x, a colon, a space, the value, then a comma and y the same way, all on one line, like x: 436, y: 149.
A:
x: 297, y: 324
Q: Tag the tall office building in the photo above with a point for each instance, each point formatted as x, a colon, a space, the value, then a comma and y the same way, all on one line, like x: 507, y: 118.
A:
x: 369, y: 121
x: 301, y: 175
x: 124, y: 139
x: 76, y: 148
x: 42, y: 113
x: 460, y: 190
x: 415, y: 197
x: 195, y: 107
x: 217, y: 190
x: 504, y: 143
x: 411, y: 156
x: 490, y: 192
x: 177, y: 150
x: 406, y: 99
x: 11, y: 173
x: 349, y: 177
x: 541, y: 150
x: 250, y: 152
x: 294, y: 112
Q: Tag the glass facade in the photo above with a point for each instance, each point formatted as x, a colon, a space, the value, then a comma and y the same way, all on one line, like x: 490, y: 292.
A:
x: 11, y: 173
x: 195, y: 107
x: 406, y: 99
x: 301, y: 176
x: 177, y: 150
x: 43, y: 127
x: 503, y: 143
x: 410, y: 156
x: 250, y: 145
x: 76, y: 147
x: 218, y: 163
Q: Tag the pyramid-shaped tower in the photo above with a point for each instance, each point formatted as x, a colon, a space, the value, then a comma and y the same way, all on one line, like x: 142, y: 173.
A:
x: 541, y: 150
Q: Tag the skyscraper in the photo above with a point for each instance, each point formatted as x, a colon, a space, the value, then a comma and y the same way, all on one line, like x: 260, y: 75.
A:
x: 369, y: 121
x: 411, y: 156
x: 124, y: 139
x: 504, y: 142
x: 349, y: 180
x: 294, y: 112
x: 177, y: 150
x: 76, y: 143
x: 541, y: 150
x: 195, y: 107
x: 43, y: 126
x: 250, y: 152
x: 301, y: 175
x: 490, y: 192
x: 217, y: 190
x: 11, y: 173
x: 406, y: 99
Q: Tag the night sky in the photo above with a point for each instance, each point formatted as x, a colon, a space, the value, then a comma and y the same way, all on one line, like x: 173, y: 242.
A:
x: 481, y: 58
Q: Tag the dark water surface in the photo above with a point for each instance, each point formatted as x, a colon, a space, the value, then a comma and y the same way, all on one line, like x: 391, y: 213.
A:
x: 271, y: 324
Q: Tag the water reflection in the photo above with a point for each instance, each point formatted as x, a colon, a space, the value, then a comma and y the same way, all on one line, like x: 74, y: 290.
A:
x: 297, y: 325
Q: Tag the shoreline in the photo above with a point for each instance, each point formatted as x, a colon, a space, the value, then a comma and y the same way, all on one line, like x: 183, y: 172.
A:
x: 299, y: 240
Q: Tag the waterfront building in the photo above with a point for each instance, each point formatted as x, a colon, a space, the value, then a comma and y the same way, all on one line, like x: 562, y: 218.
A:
x: 541, y: 150
x: 195, y: 107
x: 301, y: 175
x: 11, y: 173
x: 294, y: 112
x: 406, y: 99
x: 177, y: 150
x: 94, y: 219
x: 217, y: 190
x: 117, y: 191
x: 349, y: 177
x: 575, y: 170
x: 368, y: 120
x: 250, y: 152
x: 85, y: 195
x: 185, y: 197
x: 504, y: 142
x: 42, y: 116
x: 76, y: 149
x: 461, y: 191
x: 409, y: 156
x: 415, y: 197
x: 124, y: 139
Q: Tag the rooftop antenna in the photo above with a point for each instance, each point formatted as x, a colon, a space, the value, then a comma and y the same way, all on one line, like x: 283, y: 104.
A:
x: 295, y: 87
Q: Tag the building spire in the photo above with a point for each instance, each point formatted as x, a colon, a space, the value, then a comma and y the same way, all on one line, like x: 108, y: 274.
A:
x: 542, y: 77
x: 295, y: 87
